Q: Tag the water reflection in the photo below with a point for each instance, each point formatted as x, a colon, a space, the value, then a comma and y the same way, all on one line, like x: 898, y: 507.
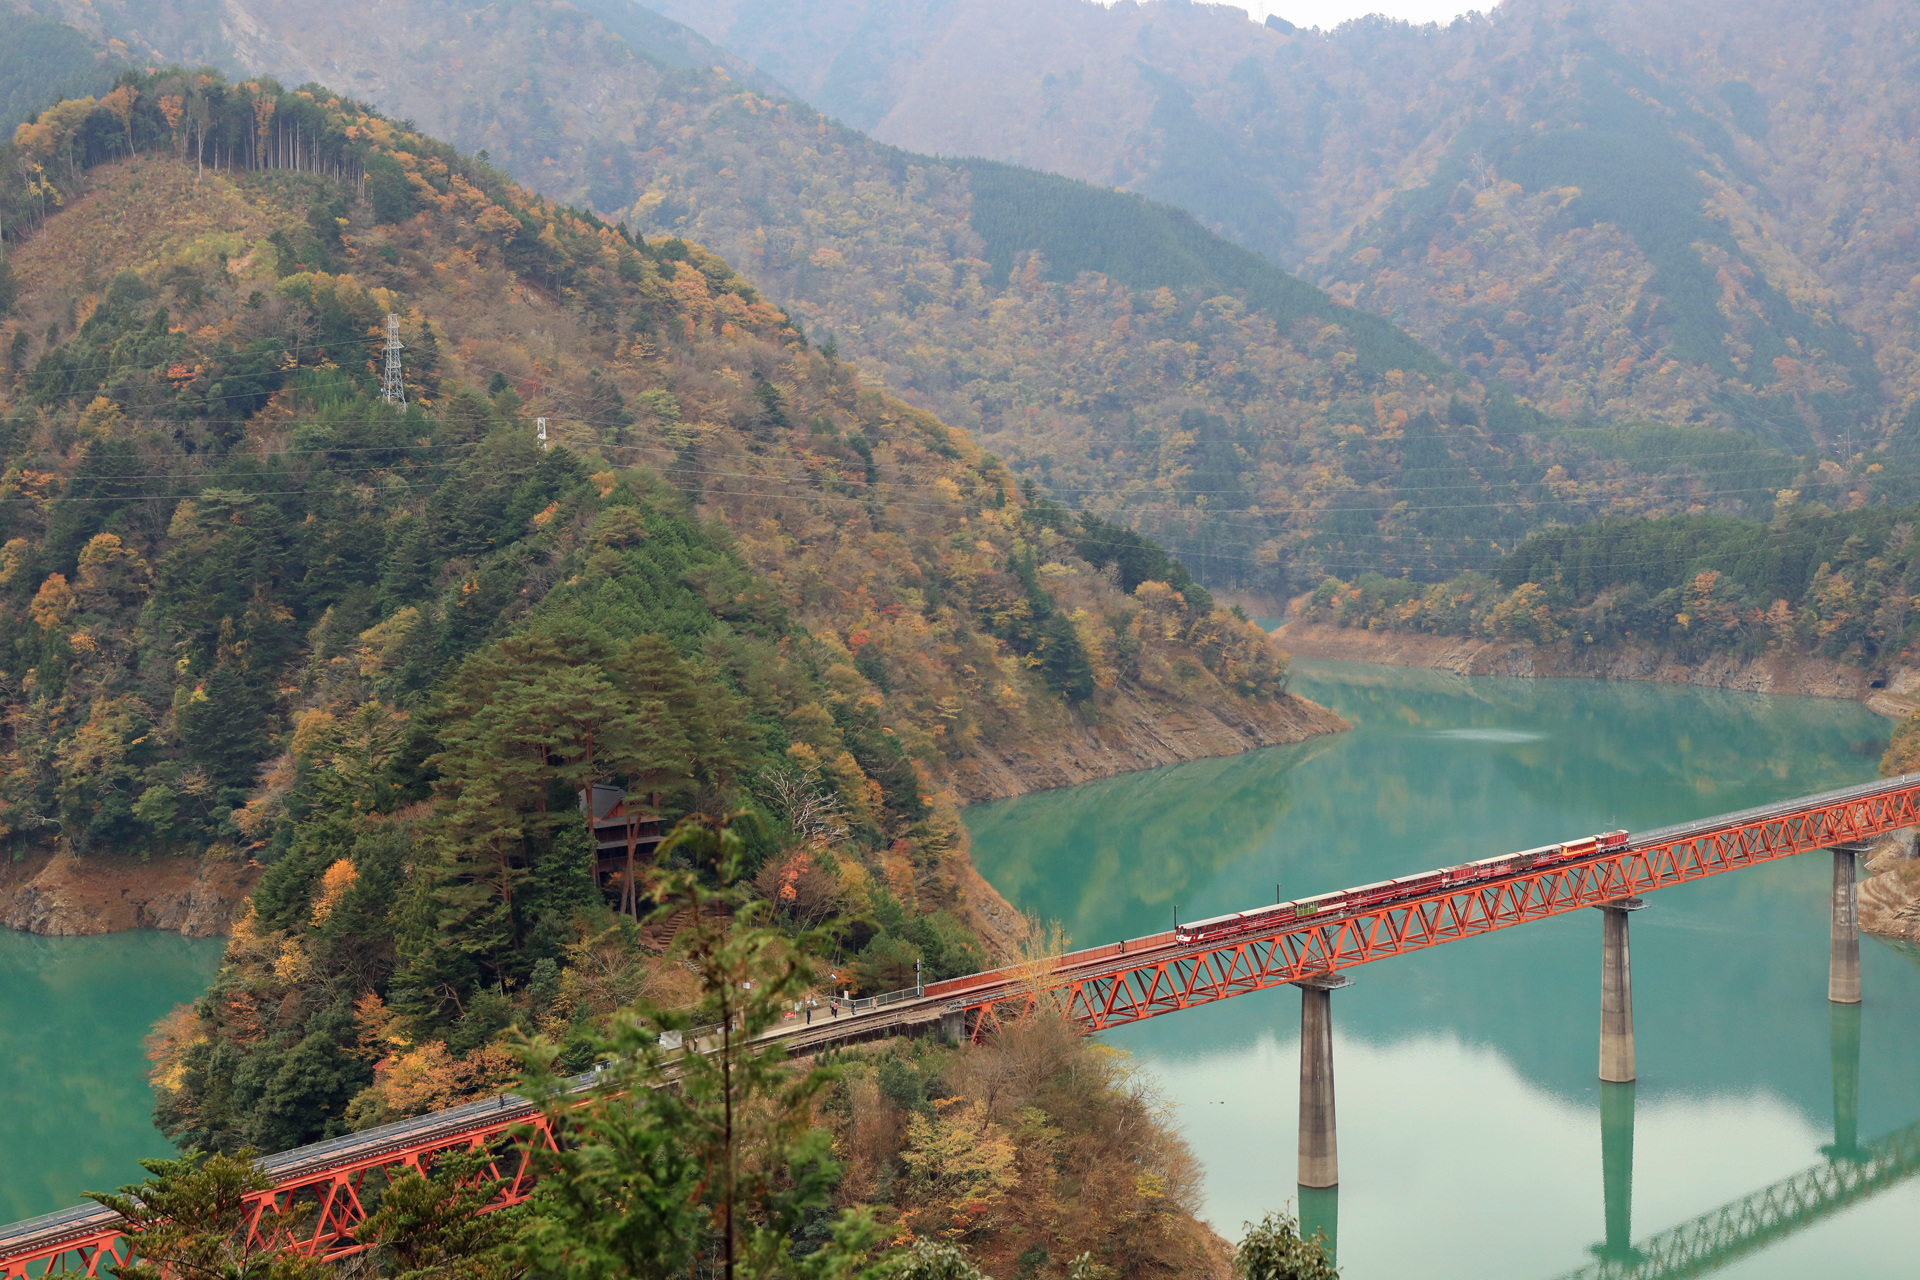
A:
x: 1844, y: 1041
x: 1466, y: 1077
x: 1724, y: 1236
x: 1320, y: 1215
x: 1177, y: 830
x: 1616, y: 1170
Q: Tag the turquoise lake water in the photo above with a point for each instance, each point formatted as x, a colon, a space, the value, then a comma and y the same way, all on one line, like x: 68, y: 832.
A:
x: 75, y: 1110
x: 1469, y: 1108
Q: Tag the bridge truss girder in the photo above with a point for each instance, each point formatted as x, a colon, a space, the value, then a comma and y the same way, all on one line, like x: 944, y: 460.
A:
x: 325, y: 1202
x: 1107, y: 991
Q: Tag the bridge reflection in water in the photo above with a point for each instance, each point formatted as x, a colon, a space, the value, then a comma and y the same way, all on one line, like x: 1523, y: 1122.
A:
x: 1850, y: 1174
x: 1320, y: 1213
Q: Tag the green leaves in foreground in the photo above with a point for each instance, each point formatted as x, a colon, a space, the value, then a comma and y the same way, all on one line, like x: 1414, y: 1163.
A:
x: 698, y: 1141
x: 189, y: 1221
x: 1273, y: 1250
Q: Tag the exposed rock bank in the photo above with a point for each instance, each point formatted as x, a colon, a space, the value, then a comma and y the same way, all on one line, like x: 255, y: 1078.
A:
x: 64, y: 896
x: 1131, y: 734
x: 1890, y: 893
x: 1769, y: 673
x: 1135, y: 734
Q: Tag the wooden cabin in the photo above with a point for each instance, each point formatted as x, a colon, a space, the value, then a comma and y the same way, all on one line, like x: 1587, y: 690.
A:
x: 621, y: 825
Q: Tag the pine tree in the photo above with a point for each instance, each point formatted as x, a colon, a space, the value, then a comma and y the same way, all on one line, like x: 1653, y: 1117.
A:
x: 190, y: 1220
x: 223, y: 724
x: 726, y: 1163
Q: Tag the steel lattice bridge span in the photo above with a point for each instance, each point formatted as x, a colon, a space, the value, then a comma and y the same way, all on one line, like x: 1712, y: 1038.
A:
x: 1307, y: 943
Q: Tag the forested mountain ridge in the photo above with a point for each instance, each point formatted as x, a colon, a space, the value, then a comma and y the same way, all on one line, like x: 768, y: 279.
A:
x: 1220, y: 412
x: 879, y: 250
x: 1236, y: 414
x: 41, y: 60
x: 249, y: 607
x: 1621, y: 209
x: 1838, y: 585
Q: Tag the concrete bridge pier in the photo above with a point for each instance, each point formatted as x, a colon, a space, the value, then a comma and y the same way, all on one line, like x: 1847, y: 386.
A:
x: 953, y: 1025
x: 1616, y: 993
x: 1843, y: 959
x: 1319, y: 1149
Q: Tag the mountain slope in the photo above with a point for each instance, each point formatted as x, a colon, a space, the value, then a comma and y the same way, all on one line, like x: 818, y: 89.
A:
x: 1734, y: 210
x: 1701, y: 591
x: 880, y: 250
x: 252, y: 609
x: 41, y: 60
x: 1239, y: 427
x: 602, y: 378
x: 1129, y: 362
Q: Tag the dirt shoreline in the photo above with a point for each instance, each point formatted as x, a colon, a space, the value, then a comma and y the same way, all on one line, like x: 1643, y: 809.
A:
x: 1898, y: 697
x: 1134, y: 734
x: 61, y: 896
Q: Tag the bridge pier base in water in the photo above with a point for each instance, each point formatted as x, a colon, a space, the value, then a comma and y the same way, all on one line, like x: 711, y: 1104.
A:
x: 1319, y: 1148
x: 1616, y: 1171
x: 1616, y: 993
x: 1843, y: 962
x: 1844, y: 1037
x: 1320, y: 1215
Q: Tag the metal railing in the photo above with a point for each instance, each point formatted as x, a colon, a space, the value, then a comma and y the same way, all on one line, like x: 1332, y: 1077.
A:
x: 862, y: 1004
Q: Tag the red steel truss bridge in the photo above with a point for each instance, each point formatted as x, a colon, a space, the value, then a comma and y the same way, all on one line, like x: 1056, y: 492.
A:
x: 1304, y: 942
x: 330, y: 1178
x: 1273, y: 946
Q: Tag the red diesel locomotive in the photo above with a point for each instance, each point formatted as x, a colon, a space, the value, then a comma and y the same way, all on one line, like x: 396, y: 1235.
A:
x: 1347, y: 901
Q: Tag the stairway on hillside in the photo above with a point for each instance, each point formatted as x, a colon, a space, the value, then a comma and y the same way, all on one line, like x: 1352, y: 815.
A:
x: 659, y: 934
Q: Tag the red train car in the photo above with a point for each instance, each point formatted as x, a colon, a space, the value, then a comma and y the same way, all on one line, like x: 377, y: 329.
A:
x: 1406, y: 888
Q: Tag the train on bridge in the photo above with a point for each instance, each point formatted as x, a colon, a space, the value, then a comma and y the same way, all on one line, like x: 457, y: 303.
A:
x: 1383, y: 892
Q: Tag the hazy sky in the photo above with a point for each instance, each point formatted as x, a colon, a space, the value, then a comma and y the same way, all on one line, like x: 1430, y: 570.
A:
x: 1328, y: 14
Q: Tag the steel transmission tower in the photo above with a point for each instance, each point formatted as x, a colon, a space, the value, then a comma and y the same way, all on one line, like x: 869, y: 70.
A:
x: 393, y: 383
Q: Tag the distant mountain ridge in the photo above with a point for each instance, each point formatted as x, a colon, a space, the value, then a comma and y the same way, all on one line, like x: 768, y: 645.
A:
x: 1143, y: 245
x: 41, y: 59
x: 1105, y: 345
x: 1739, y: 251
x: 880, y: 250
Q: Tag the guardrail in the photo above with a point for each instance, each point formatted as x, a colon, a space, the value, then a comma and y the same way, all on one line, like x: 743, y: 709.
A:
x: 863, y: 1004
